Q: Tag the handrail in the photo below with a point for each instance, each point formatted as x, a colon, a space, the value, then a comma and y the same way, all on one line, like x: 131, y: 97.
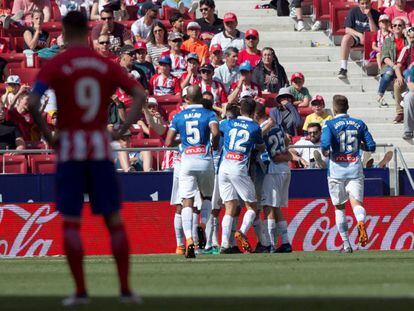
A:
x: 405, y: 166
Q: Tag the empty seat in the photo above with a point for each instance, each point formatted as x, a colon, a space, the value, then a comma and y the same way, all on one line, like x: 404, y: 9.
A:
x: 13, y: 164
x: 27, y: 75
x: 42, y: 163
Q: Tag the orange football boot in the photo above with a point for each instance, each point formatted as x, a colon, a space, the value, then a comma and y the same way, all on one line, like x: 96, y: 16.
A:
x: 362, y: 234
x: 242, y: 242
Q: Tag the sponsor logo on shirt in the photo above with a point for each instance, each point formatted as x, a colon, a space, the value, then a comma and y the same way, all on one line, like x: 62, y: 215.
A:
x: 345, y: 158
x: 195, y: 150
x: 234, y: 156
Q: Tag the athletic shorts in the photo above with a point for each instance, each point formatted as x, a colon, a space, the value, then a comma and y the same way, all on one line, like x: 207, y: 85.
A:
x: 296, y: 4
x: 95, y: 178
x: 357, y: 41
x: 275, y: 191
x: 216, y: 201
x: 341, y: 189
x: 234, y: 186
x: 193, y: 181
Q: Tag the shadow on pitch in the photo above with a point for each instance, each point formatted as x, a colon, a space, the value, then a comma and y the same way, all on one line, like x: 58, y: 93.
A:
x: 216, y: 303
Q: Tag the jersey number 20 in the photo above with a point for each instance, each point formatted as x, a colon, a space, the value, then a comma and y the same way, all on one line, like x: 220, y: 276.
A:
x: 88, y: 97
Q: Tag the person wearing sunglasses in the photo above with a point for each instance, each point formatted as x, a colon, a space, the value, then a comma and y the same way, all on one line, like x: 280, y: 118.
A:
x: 177, y: 55
x: 208, y: 84
x: 360, y: 19
x: 119, y: 35
x: 390, y: 52
x: 126, y: 61
x: 251, y: 53
x: 230, y: 36
x: 105, y: 47
x: 209, y: 22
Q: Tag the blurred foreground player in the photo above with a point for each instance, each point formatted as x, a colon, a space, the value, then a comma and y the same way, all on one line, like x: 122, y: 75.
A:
x: 342, y: 139
x: 84, y: 82
x: 194, y: 125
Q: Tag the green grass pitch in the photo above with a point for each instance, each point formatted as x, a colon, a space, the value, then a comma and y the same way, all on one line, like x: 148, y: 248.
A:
x: 365, y: 280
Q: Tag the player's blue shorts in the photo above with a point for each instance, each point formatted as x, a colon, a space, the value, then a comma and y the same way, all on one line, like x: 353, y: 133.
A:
x: 96, y: 178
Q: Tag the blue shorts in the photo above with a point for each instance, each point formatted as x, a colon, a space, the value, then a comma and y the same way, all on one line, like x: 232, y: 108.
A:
x: 96, y: 178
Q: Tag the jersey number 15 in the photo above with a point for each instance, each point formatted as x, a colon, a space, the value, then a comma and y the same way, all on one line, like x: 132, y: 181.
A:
x: 348, y: 141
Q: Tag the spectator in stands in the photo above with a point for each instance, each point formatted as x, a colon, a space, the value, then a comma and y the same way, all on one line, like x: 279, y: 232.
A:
x: 118, y: 7
x: 154, y: 119
x: 383, y: 33
x: 10, y: 137
x: 319, y: 115
x: 229, y: 72
x: 403, y: 62
x: 182, y: 5
x: 18, y: 114
x: 140, y: 60
x: 209, y: 22
x: 66, y: 6
x: 297, y: 6
x: 35, y: 38
x: 244, y: 85
x: 251, y: 53
x: 400, y: 9
x: 194, y: 44
x: 360, y: 19
x: 230, y: 36
x: 177, y: 55
x: 286, y: 113
x: 409, y: 106
x: 28, y: 6
x: 163, y: 83
x: 216, y: 55
x: 158, y: 42
x: 141, y: 29
x: 269, y: 74
x: 119, y: 35
x: 390, y: 52
x: 207, y: 84
x: 177, y: 23
x: 4, y: 70
x: 104, y: 47
x: 12, y: 89
x: 126, y: 60
x: 192, y: 75
x: 306, y: 156
x: 299, y: 92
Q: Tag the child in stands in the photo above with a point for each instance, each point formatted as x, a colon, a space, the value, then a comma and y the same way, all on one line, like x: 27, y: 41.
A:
x: 299, y: 92
x: 319, y: 115
x: 383, y: 33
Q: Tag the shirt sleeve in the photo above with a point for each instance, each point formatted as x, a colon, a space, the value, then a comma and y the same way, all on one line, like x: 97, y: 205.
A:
x: 326, y: 138
x: 223, y: 94
x: 350, y: 19
x: 173, y: 125
x: 212, y: 118
x: 134, y: 28
x: 369, y: 142
x: 259, y: 137
x: 223, y: 126
x: 306, y: 123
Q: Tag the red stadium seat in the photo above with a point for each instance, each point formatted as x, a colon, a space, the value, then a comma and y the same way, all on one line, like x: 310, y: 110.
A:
x: 304, y: 111
x: 42, y: 163
x: 13, y: 164
x: 370, y: 65
x: 27, y: 75
x: 132, y: 12
x: 338, y: 12
x: 15, y: 60
x: 18, y: 44
x: 269, y: 99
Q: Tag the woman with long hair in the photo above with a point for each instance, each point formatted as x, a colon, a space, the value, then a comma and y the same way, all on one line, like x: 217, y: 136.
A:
x: 158, y: 42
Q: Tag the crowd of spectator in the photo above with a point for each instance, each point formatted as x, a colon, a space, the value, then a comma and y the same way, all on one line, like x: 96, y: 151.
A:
x: 209, y: 51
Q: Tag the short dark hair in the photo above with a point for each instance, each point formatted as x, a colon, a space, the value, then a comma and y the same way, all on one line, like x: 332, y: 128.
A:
x: 209, y: 3
x: 315, y: 124
x: 340, y: 104
x: 75, y: 23
x: 175, y: 17
x: 152, y: 36
x: 208, y: 93
x: 232, y: 111
x: 207, y: 104
x: 231, y: 50
x: 247, y: 106
x: 107, y: 10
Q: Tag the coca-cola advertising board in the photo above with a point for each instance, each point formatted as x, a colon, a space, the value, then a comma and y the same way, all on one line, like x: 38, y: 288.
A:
x: 34, y: 229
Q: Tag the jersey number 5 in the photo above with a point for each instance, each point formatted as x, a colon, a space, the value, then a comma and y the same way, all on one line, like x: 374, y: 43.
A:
x: 348, y: 141
x: 192, y: 132
x: 88, y: 97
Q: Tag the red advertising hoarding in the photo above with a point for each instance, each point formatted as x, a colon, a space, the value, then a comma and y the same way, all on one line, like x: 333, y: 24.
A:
x: 34, y: 229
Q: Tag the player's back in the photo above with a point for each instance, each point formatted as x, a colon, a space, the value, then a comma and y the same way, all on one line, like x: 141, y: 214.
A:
x: 193, y: 126
x: 343, y: 136
x: 240, y: 137
x: 275, y: 144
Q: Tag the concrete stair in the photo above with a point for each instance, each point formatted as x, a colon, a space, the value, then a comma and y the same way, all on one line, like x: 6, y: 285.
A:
x: 314, y: 55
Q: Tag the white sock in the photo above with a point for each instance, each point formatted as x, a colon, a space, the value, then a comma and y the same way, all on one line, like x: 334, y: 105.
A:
x: 233, y: 231
x: 209, y: 232
x: 248, y: 219
x: 344, y: 64
x: 359, y: 213
x: 187, y: 219
x: 342, y: 226
x: 226, y: 225
x: 178, y: 227
x: 215, y: 231
x: 281, y: 228
x: 205, y: 211
x: 271, y: 231
x: 259, y: 230
x: 195, y: 225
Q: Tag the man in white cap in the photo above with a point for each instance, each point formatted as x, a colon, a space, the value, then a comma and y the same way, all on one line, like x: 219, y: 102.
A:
x: 195, y: 44
x: 12, y: 87
x: 230, y: 36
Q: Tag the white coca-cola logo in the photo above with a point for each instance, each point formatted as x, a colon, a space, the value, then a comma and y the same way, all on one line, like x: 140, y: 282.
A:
x: 26, y: 237
x: 323, y: 229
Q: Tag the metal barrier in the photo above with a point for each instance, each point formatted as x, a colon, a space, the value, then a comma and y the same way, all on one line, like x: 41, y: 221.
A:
x: 397, y: 155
